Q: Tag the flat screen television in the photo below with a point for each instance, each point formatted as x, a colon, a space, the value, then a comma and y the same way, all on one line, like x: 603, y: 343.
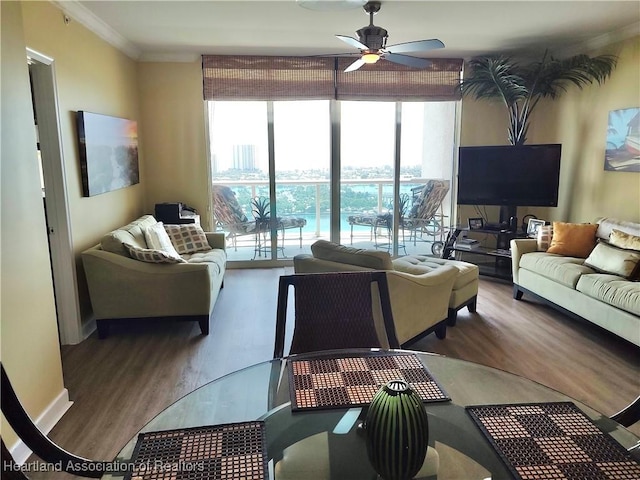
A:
x: 505, y: 175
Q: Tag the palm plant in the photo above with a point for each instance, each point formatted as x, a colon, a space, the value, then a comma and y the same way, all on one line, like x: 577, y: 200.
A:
x: 520, y: 87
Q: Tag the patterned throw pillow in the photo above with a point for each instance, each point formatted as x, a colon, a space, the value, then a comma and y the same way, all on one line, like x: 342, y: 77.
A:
x: 189, y: 238
x: 150, y: 255
x: 157, y: 239
x: 624, y: 240
x: 545, y: 234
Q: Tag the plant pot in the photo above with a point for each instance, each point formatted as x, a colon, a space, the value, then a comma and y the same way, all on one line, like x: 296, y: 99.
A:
x: 397, y: 431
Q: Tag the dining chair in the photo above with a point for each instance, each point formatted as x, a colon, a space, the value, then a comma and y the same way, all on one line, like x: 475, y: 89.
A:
x: 39, y: 443
x: 336, y: 310
x: 629, y: 414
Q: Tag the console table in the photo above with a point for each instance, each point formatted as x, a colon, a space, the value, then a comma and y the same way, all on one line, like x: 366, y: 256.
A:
x: 492, y: 262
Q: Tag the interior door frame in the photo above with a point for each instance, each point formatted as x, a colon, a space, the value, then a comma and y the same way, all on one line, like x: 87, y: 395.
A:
x: 63, y: 262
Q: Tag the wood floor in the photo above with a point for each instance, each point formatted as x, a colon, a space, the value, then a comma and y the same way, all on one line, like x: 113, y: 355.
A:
x: 120, y: 383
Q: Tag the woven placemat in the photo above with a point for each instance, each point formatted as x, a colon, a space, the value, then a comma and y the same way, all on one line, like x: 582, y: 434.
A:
x: 553, y: 441
x: 235, y: 451
x: 343, y: 382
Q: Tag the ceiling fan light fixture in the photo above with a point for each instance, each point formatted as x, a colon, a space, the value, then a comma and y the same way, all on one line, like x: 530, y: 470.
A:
x: 370, y: 57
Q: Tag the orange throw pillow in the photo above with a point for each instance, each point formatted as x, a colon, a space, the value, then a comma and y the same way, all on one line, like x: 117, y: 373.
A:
x: 573, y: 239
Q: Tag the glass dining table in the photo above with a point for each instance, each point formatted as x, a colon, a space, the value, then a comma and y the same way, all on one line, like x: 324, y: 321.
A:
x: 330, y: 443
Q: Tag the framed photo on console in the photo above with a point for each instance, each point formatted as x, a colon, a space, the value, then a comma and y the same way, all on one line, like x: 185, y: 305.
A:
x: 533, y: 226
x: 476, y: 223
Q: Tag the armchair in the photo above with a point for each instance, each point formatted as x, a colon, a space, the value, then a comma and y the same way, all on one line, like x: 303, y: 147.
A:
x: 419, y: 303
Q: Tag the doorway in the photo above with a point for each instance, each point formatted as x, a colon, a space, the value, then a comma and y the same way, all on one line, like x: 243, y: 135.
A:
x: 53, y: 182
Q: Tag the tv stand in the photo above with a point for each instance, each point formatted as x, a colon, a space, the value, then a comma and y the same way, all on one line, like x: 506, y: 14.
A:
x: 507, y: 212
x: 492, y: 262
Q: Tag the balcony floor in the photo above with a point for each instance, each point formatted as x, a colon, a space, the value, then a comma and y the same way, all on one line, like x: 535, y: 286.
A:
x: 247, y: 251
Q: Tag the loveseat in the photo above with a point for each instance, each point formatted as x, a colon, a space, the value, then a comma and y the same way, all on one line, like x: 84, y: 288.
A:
x: 419, y: 302
x: 131, y: 277
x: 600, y: 285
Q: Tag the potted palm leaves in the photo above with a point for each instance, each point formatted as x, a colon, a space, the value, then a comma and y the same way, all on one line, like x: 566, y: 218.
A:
x: 521, y: 86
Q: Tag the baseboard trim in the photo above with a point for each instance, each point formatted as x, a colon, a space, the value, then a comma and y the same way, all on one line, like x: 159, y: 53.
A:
x: 45, y: 422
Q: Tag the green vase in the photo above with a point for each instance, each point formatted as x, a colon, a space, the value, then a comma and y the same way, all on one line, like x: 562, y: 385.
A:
x: 397, y: 431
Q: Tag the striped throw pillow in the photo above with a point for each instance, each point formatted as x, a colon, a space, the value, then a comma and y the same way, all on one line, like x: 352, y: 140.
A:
x: 545, y: 234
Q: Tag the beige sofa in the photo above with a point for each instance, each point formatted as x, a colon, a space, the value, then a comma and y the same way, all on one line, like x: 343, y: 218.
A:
x: 419, y: 303
x: 122, y: 288
x: 566, y: 283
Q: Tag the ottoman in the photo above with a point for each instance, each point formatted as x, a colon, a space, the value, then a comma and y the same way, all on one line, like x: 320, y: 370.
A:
x: 465, y: 288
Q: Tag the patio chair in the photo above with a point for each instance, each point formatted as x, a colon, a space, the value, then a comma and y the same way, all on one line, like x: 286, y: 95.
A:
x: 381, y: 220
x: 231, y: 218
x: 336, y: 310
x: 426, y: 216
x: 262, y: 213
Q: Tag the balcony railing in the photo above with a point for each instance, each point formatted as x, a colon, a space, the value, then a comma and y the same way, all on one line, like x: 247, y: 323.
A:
x: 383, y: 203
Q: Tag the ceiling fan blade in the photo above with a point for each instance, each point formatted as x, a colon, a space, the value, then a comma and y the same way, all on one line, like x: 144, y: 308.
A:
x: 417, y: 46
x: 407, y: 60
x: 355, y: 65
x: 353, y: 42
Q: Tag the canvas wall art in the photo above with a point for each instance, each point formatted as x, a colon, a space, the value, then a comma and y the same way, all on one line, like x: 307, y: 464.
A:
x: 108, y: 152
x: 622, y: 153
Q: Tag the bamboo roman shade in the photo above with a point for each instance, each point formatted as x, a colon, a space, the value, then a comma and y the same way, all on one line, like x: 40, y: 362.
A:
x: 385, y: 80
x: 267, y: 78
x: 313, y: 78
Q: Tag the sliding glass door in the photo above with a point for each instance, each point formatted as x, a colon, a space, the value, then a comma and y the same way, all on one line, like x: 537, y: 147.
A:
x: 272, y: 165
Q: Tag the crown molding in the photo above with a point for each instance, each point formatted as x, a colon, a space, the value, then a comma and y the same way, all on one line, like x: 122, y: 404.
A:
x: 82, y: 15
x: 602, y: 40
x: 170, y: 57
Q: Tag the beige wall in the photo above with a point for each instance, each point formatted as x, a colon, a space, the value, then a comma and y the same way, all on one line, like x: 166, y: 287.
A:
x: 173, y: 126
x: 93, y: 76
x: 577, y: 120
x: 28, y: 331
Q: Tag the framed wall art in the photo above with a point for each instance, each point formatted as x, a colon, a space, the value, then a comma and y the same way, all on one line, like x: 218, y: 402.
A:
x: 108, y: 152
x: 622, y: 153
x: 533, y: 226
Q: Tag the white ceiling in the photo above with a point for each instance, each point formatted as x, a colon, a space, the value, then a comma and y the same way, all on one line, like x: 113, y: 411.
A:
x: 183, y: 30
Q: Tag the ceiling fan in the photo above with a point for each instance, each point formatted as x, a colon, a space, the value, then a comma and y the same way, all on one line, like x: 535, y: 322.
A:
x: 372, y: 42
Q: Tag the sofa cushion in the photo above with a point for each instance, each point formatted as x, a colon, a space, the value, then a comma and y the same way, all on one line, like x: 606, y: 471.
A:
x: 616, y: 261
x: 334, y: 252
x: 624, y: 240
x: 158, y: 239
x: 573, y: 239
x: 606, y: 226
x: 132, y: 234
x: 421, y: 264
x: 151, y: 255
x: 564, y: 270
x: 217, y: 256
x: 612, y: 290
x: 189, y: 238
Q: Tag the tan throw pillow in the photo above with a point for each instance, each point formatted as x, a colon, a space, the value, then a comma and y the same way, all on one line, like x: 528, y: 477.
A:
x: 545, y: 234
x: 624, y: 240
x: 158, y: 239
x: 573, y: 239
x: 608, y: 259
x: 150, y: 255
x: 189, y: 238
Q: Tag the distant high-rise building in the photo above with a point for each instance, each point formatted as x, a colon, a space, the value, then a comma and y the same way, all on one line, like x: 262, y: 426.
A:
x: 244, y: 157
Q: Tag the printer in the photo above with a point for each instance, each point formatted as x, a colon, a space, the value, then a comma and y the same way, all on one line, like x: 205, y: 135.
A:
x: 175, y: 213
